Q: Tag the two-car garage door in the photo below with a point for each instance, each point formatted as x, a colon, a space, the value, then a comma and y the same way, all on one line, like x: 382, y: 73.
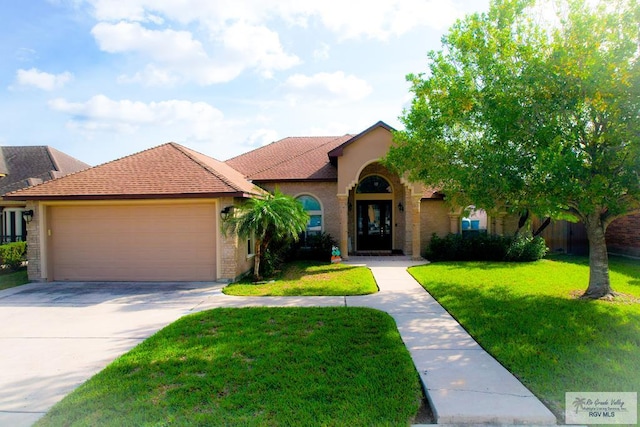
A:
x: 145, y: 242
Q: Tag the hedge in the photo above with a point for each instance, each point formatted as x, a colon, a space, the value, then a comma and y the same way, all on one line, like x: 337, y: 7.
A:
x: 12, y: 255
x: 485, y: 247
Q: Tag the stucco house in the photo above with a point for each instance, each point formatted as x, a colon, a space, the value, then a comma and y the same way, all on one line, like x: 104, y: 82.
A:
x: 155, y: 215
x: 22, y: 167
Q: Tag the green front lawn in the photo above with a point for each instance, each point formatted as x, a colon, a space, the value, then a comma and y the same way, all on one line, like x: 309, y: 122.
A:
x: 256, y: 367
x: 527, y: 316
x: 309, y: 278
x: 14, y: 278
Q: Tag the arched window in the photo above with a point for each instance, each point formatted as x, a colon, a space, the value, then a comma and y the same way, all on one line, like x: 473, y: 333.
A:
x: 374, y: 184
x: 312, y: 206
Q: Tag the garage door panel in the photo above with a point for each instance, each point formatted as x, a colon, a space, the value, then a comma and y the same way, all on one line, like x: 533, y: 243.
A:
x: 134, y: 242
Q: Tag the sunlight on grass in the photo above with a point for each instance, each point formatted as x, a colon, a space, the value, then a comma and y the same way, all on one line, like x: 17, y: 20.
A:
x: 308, y: 278
x: 15, y: 278
x: 256, y: 367
x: 526, y: 315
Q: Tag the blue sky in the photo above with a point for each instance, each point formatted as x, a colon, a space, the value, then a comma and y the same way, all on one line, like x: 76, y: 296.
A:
x: 102, y: 79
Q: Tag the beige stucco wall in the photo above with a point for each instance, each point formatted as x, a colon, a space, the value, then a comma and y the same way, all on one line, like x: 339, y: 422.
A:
x: 367, y: 149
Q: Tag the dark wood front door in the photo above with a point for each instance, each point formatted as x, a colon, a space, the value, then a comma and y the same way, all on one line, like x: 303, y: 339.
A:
x: 374, y: 225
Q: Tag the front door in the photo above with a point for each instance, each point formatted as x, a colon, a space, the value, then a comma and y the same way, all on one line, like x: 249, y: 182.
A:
x: 374, y: 225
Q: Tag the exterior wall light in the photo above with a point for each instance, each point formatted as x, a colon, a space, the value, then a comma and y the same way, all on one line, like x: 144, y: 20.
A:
x: 400, y: 207
x: 224, y: 213
x: 27, y: 215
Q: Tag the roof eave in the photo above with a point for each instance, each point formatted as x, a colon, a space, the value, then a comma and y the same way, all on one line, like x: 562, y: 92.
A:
x: 74, y: 197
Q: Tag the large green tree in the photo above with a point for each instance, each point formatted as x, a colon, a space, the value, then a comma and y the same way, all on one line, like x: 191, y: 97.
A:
x: 273, y: 218
x: 534, y: 108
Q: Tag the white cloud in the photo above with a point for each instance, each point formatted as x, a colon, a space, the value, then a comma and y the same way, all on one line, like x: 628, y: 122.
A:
x: 161, y: 45
x: 327, y: 88
x: 186, y: 119
x: 262, y: 137
x: 42, y: 80
x: 257, y: 46
x: 177, y: 53
x: 151, y: 76
x: 321, y: 53
x: 351, y: 19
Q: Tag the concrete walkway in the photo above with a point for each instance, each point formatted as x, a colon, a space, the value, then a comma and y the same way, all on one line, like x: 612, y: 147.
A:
x: 463, y: 383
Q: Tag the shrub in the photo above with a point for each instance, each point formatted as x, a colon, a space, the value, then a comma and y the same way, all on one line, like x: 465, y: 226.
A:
x: 272, y: 261
x: 13, y: 254
x: 485, y: 247
x: 526, y: 248
x: 316, y: 248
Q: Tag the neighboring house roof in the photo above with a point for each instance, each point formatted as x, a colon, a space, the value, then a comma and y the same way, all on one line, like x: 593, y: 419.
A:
x: 167, y: 171
x: 291, y: 159
x: 28, y: 165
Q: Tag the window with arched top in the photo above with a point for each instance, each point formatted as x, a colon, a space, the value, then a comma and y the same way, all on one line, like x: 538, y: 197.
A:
x: 374, y: 184
x: 312, y: 206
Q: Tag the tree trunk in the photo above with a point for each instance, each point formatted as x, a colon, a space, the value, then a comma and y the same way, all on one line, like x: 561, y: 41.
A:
x: 256, y: 262
x: 599, y: 284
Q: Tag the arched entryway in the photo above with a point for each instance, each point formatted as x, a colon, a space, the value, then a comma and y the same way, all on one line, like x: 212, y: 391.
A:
x: 374, y: 214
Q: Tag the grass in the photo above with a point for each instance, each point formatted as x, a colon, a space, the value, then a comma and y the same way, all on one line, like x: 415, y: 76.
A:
x: 527, y: 316
x: 256, y: 367
x: 309, y: 278
x: 14, y: 278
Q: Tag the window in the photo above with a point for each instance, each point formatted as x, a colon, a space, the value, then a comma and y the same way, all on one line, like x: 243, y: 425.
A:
x: 251, y: 246
x: 314, y: 227
x: 474, y: 221
x: 374, y: 184
x: 14, y: 227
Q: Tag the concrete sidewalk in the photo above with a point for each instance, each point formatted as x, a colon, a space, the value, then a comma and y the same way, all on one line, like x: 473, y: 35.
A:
x: 463, y: 383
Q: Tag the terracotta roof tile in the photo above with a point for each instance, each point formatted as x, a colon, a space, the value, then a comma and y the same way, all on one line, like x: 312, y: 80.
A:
x: 169, y: 170
x: 293, y: 158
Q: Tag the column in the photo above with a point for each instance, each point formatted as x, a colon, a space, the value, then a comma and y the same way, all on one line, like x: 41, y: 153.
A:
x: 343, y: 209
x: 454, y: 222
x: 415, y: 225
x: 500, y: 223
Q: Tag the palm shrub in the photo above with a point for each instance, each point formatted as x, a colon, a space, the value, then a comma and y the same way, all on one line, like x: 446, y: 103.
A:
x: 274, y: 218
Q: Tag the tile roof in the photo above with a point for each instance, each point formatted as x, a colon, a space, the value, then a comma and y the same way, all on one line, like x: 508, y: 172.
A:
x: 26, y: 165
x: 167, y: 171
x: 291, y: 159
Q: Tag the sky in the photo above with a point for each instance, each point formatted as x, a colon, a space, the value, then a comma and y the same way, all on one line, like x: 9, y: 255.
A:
x: 103, y: 79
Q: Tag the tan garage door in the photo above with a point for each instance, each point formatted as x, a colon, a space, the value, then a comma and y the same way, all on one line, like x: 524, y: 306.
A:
x: 133, y: 242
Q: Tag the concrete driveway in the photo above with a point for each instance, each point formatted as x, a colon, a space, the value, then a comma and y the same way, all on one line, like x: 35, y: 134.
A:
x: 55, y: 336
